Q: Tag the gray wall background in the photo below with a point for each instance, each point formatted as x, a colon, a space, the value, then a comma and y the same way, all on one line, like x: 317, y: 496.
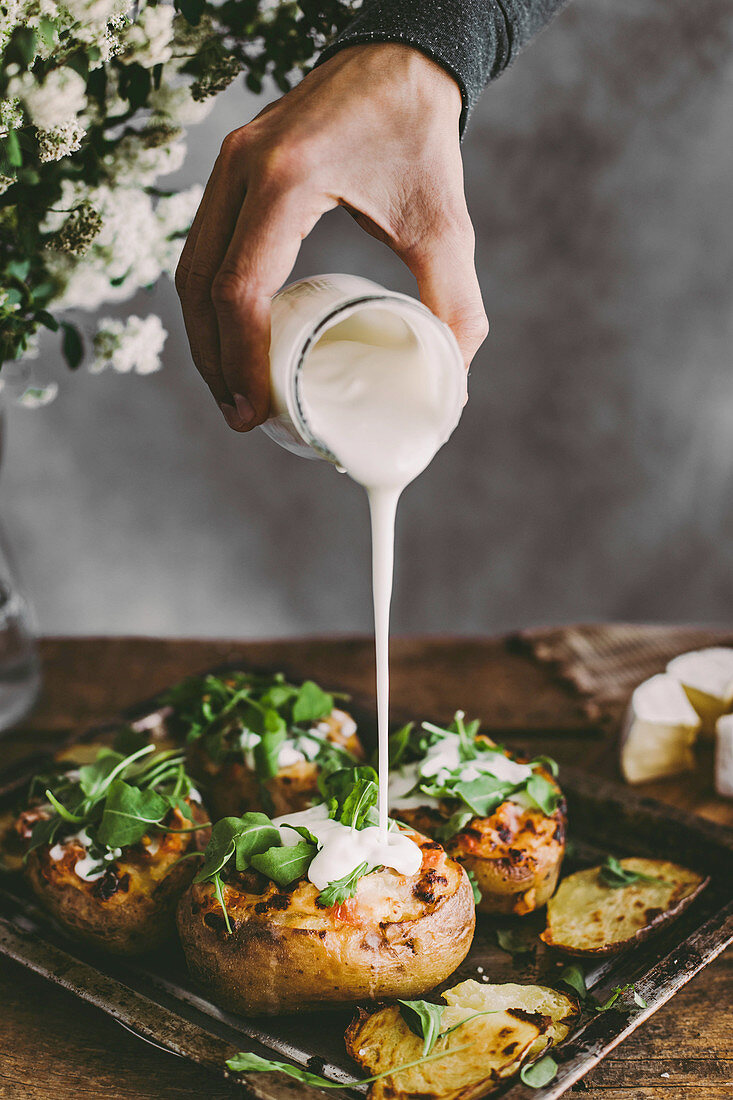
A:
x: 591, y: 475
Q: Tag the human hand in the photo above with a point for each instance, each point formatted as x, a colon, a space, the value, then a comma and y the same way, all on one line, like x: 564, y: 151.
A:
x: 374, y: 129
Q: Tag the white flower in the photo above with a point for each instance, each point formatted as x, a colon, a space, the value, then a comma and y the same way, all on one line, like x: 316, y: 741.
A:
x: 175, y: 213
x: 35, y: 397
x: 178, y: 105
x: 131, y: 345
x: 148, y: 40
x: 135, y: 163
x: 11, y: 114
x: 60, y: 141
x: 100, y: 12
x: 60, y: 98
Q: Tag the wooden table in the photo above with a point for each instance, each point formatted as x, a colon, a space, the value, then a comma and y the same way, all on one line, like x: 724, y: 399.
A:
x: 52, y: 1045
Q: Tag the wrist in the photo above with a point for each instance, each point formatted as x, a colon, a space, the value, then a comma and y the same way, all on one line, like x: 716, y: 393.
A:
x: 407, y: 75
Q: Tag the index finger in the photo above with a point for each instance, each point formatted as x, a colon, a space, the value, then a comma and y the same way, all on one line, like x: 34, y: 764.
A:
x: 261, y: 255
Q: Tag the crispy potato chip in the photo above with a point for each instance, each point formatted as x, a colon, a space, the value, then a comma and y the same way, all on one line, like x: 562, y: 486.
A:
x: 470, y: 996
x: 522, y: 1022
x: 587, y: 917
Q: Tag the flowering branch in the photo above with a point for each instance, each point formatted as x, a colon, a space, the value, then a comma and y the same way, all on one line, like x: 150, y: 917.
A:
x: 95, y: 96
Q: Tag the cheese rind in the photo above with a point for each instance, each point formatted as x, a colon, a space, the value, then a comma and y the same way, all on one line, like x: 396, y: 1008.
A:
x: 707, y: 677
x: 724, y: 756
x: 659, y: 731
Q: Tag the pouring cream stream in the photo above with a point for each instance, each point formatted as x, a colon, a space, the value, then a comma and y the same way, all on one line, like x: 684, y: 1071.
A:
x: 376, y: 397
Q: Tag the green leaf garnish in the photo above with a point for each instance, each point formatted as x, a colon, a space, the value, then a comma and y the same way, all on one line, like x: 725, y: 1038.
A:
x: 539, y: 1073
x: 516, y: 941
x: 311, y: 703
x: 574, y: 977
x: 477, y: 895
x: 244, y: 1062
x: 341, y: 889
x: 423, y: 1020
x: 618, y: 992
x: 285, y: 864
x: 615, y: 876
x: 117, y: 799
x: 238, y: 713
x: 128, y: 814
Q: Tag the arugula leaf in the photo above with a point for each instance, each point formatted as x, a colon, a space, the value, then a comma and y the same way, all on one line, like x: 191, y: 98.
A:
x: 311, y: 703
x: 342, y: 888
x: 574, y: 977
x: 539, y: 1073
x: 358, y: 802
x: 484, y: 794
x: 267, y: 751
x: 516, y: 941
x: 423, y: 1020
x: 128, y: 814
x: 337, y: 786
x: 547, y: 763
x: 286, y: 864
x: 220, y: 849
x: 62, y: 811
x: 543, y: 793
x: 244, y: 1062
x: 477, y: 895
x: 256, y: 834
x: 615, y: 876
x: 616, y: 995
x: 216, y: 879
x: 454, y: 824
x: 399, y: 744
x: 95, y: 779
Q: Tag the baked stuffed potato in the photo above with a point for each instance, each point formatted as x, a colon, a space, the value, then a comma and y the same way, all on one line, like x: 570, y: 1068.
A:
x: 260, y: 743
x: 398, y: 936
x: 267, y: 927
x: 113, y: 877
x: 502, y: 817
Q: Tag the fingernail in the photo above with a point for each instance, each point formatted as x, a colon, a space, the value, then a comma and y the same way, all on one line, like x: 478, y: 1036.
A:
x: 244, y: 408
x: 231, y: 415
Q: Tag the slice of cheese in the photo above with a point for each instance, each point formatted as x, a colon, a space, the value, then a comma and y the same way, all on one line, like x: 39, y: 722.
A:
x: 724, y: 756
x: 707, y: 677
x: 659, y: 731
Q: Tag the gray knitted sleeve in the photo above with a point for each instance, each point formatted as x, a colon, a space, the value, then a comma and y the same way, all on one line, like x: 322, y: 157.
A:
x: 474, y: 40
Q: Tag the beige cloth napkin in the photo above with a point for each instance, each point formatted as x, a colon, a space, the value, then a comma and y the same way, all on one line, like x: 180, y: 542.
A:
x: 606, y: 662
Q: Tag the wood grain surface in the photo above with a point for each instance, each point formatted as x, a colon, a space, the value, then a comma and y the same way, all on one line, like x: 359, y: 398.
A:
x: 52, y: 1045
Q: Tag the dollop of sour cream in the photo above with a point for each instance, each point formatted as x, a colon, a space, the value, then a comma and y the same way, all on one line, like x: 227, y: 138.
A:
x: 301, y: 746
x: 87, y: 868
x: 342, y: 849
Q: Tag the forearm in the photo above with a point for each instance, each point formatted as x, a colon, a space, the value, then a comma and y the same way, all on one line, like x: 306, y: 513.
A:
x: 475, y: 40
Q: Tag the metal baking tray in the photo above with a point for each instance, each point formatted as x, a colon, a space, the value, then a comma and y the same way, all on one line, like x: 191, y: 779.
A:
x: 155, y: 998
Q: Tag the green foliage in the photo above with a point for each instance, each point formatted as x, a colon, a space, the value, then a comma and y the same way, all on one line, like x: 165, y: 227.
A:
x: 539, y: 1073
x: 213, y: 43
x: 240, y: 713
x: 479, y: 796
x: 339, y: 891
x: 117, y: 799
x: 423, y: 1020
x: 614, y: 875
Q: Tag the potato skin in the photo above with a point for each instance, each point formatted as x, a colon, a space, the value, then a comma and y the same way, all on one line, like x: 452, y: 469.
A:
x: 232, y: 788
x: 516, y: 853
x: 607, y: 921
x: 398, y: 937
x: 132, y: 908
